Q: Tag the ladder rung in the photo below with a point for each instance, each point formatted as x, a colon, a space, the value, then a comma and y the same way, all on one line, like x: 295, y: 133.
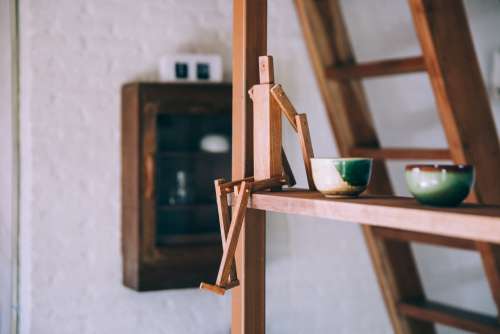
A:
x: 450, y: 316
x: 425, y: 238
x: 402, y: 153
x: 376, y: 68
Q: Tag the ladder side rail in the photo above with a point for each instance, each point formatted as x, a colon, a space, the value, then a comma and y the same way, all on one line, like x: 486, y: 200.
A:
x: 463, y: 106
x: 352, y: 126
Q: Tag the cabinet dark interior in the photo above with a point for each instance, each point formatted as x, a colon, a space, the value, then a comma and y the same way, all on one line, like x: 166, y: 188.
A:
x: 170, y: 229
x: 186, y: 211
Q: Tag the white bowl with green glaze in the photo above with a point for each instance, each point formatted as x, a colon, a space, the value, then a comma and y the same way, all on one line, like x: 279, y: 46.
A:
x: 341, y: 177
x: 439, y: 185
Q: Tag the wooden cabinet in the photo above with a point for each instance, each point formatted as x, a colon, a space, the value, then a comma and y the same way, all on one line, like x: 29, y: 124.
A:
x: 170, y: 231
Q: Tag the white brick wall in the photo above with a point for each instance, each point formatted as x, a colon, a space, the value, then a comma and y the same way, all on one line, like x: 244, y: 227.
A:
x: 76, y: 55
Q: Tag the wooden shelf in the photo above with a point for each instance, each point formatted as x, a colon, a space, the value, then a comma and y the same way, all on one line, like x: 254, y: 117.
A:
x: 468, y: 221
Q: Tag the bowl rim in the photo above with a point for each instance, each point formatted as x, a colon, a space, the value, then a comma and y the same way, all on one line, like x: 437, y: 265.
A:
x: 342, y: 159
x: 438, y: 167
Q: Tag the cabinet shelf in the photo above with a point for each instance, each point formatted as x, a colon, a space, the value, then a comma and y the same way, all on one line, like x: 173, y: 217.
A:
x: 468, y: 221
x: 192, y: 154
x: 192, y: 239
x: 184, y: 207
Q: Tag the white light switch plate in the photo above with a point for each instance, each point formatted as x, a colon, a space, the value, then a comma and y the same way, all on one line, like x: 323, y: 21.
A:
x: 496, y: 75
x: 191, y: 68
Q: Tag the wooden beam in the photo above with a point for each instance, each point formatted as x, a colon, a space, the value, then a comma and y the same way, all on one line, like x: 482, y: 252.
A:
x: 376, y: 68
x: 347, y: 110
x: 463, y: 104
x: 249, y: 42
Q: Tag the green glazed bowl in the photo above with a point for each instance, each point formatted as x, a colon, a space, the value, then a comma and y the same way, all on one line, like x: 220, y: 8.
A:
x: 440, y: 185
x: 341, y: 177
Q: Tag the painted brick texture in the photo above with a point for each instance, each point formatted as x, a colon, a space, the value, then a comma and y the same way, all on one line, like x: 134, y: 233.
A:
x: 75, y: 55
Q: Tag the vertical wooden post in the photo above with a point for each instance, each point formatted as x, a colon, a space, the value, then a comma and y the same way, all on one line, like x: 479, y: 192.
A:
x: 249, y: 42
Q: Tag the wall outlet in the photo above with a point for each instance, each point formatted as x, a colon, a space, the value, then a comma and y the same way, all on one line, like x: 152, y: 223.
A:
x: 496, y: 75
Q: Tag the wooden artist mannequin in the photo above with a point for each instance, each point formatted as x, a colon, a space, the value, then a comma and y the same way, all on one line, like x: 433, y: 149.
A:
x: 272, y: 172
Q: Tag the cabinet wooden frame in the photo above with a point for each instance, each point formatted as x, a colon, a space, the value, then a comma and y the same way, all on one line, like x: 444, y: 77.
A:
x: 146, y: 265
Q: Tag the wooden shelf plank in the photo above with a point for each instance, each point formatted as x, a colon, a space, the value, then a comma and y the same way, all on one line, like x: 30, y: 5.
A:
x: 450, y: 316
x: 469, y: 221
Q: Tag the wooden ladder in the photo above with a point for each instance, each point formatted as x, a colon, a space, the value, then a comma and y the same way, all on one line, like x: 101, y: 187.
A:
x: 449, y: 59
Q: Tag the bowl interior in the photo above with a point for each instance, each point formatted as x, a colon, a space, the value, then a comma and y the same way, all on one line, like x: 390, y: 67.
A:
x: 342, y: 159
x: 437, y: 168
